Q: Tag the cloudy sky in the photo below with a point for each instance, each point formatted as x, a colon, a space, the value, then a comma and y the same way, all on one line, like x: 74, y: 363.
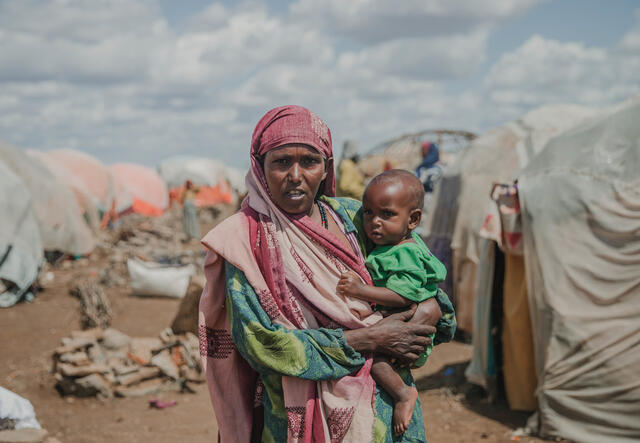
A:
x: 142, y: 80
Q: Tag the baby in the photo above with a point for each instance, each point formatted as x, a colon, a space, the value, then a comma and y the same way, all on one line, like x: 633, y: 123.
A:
x: 402, y: 268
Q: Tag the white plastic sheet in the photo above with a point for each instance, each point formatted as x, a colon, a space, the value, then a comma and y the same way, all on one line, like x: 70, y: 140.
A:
x: 20, y: 241
x: 17, y: 408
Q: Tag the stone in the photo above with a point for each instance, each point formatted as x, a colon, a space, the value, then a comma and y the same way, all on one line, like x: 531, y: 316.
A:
x: 94, y: 384
x: 140, y: 349
x: 122, y: 369
x: 114, y: 339
x: 138, y: 376
x: 164, y: 361
x: 76, y: 358
x: 191, y: 374
x: 25, y: 435
x: 80, y: 371
x: 73, y: 344
x: 96, y: 355
x: 148, y: 387
x: 93, y: 333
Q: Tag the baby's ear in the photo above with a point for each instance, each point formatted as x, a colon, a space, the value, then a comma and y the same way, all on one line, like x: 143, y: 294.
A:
x: 414, y: 218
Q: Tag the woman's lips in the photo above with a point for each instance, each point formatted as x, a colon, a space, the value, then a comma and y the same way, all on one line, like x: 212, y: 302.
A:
x: 295, y: 194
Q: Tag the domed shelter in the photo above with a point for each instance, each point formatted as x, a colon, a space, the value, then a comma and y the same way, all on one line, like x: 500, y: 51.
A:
x: 494, y: 157
x: 207, y: 173
x: 84, y: 198
x: 62, y: 226
x: 96, y: 177
x: 148, y: 190
x: 580, y: 210
x: 20, y: 241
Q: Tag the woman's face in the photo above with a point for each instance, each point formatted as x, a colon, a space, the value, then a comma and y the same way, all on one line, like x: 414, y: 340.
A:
x: 294, y: 173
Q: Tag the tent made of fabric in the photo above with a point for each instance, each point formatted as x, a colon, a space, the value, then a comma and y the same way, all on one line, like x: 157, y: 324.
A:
x: 20, y: 241
x: 580, y: 202
x: 148, y: 190
x: 496, y: 156
x: 96, y: 177
x: 202, y: 171
x: 84, y: 198
x: 62, y: 226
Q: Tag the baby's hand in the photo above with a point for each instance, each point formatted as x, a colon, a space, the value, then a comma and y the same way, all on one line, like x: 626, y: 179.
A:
x: 349, y: 284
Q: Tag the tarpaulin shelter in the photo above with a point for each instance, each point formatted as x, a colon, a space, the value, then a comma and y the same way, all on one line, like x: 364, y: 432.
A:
x: 208, y: 174
x: 20, y: 241
x: 62, y: 226
x: 96, y: 177
x: 580, y: 208
x: 84, y: 198
x: 488, y: 268
x: 148, y: 190
x: 495, y: 156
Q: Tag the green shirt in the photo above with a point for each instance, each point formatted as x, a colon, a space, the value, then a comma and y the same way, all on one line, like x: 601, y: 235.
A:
x: 411, y: 271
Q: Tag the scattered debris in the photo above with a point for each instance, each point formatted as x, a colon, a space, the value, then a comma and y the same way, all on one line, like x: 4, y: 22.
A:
x: 94, y: 305
x: 105, y: 363
x: 162, y: 404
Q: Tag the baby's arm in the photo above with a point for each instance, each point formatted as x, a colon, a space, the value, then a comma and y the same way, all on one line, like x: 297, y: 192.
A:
x: 350, y: 285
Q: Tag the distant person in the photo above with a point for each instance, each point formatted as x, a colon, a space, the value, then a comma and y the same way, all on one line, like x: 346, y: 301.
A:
x: 404, y: 272
x: 429, y: 172
x: 351, y: 178
x: 190, y: 211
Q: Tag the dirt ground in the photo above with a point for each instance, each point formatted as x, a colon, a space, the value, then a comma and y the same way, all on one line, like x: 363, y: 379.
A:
x: 31, y: 331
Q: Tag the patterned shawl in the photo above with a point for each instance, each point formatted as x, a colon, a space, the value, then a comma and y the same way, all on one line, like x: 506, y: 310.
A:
x: 293, y: 265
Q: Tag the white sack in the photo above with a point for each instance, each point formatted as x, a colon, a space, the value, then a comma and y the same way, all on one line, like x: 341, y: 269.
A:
x: 17, y: 408
x: 155, y: 279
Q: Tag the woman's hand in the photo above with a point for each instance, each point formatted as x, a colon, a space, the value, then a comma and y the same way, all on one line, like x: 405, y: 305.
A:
x: 393, y: 336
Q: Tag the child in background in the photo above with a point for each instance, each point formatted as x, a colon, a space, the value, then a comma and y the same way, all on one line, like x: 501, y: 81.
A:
x: 403, y: 270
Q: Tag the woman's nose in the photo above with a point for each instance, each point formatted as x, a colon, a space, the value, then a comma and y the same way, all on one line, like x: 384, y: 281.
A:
x: 294, y: 173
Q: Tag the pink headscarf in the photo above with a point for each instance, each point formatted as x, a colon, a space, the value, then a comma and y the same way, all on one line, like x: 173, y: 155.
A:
x: 293, y: 124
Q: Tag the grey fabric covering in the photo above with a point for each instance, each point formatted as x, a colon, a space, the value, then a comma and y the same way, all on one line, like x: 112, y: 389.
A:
x: 581, y: 226
x: 20, y: 242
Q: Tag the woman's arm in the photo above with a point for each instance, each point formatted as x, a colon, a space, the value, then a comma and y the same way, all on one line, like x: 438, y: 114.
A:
x: 312, y: 354
x: 394, y: 336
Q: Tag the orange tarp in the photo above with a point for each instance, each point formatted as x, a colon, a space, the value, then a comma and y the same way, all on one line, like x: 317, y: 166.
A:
x: 148, y: 191
x: 207, y: 195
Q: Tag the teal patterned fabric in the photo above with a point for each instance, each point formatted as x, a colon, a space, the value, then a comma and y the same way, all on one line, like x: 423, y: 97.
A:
x: 316, y: 354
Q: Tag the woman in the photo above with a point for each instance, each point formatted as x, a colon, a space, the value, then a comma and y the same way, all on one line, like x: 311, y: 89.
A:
x: 271, y: 324
x: 190, y: 211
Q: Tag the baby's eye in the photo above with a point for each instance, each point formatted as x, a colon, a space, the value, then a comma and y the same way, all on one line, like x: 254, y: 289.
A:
x: 367, y: 212
x: 388, y: 213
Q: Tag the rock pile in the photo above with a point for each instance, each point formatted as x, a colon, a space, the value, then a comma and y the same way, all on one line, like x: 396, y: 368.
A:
x: 106, y: 362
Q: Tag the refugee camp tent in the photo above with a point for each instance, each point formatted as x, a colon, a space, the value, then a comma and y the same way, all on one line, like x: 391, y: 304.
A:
x: 209, y: 174
x: 580, y: 203
x: 83, y: 197
x: 20, y: 242
x: 149, y: 192
x: 496, y: 156
x: 62, y: 226
x: 96, y: 177
x: 488, y: 268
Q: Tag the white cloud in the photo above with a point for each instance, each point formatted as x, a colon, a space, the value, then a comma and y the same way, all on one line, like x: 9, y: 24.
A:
x: 371, y: 21
x: 115, y: 79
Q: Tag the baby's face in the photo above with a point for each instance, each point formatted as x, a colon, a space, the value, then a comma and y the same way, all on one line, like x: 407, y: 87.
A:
x: 387, y: 213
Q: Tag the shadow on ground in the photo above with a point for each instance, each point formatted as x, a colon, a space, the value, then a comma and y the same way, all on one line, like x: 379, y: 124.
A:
x: 452, y: 380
